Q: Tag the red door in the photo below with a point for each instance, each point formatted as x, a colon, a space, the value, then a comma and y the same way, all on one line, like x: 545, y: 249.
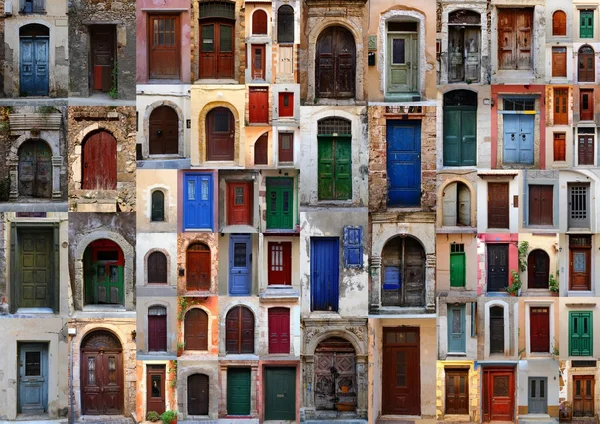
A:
x: 583, y: 396
x: 216, y: 50
x: 196, y: 330
x: 157, y: 333
x: 286, y: 105
x: 220, y: 134
x: 539, y: 322
x: 498, y: 394
x: 279, y: 330
x: 163, y: 51
x: 102, y: 40
x: 286, y: 147
x: 280, y: 263
x: 586, y: 105
x: 239, y: 203
x: 259, y: 105
x: 258, y: 61
x: 100, y: 162
x: 198, y: 267
x: 155, y: 388
x: 585, y: 150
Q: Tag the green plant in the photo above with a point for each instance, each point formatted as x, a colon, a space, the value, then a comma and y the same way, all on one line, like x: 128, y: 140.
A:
x: 168, y: 416
x: 555, y: 351
x: 152, y: 416
x: 523, y: 248
x: 181, y: 345
x: 553, y: 283
x: 521, y: 352
x: 173, y: 370
x: 516, y: 283
x: 183, y: 304
x: 113, y: 92
x: 45, y: 109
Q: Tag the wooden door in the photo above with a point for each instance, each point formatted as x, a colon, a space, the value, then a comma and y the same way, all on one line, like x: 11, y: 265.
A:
x: 586, y: 69
x: 164, y: 44
x: 338, y: 353
x: 324, y: 276
x: 280, y: 394
x: 216, y: 50
x: 35, y: 169
x: 261, y: 150
x: 581, y: 339
x: 280, y: 196
x: 238, y: 391
x: 286, y: 147
x: 403, y: 62
x: 585, y: 149
x: 155, y: 388
x: 457, y: 391
x: 586, y: 23
x: 541, y: 204
x: 583, y: 395
x: 33, y: 379
x: 279, y: 330
x: 497, y: 279
x: 539, y: 327
x: 258, y: 101
x: 515, y: 30
x: 403, y: 163
x: 580, y: 252
x: 537, y: 401
x: 498, y: 216
x: 220, y: 134
x: 586, y: 105
x: 35, y: 283
x: 286, y: 105
x: 335, y: 66
x: 579, y: 206
x: 199, y: 264
x: 561, y: 109
x: 34, y: 66
x: 240, y: 266
x: 105, y: 275
x: 196, y: 330
x: 403, y: 261
x: 334, y: 168
x: 280, y: 263
x: 197, y: 394
x: 457, y: 334
x: 239, y: 203
x: 463, y: 48
x: 559, y: 61
x: 559, y: 23
x: 401, y: 380
x: 538, y: 269
x: 518, y: 139
x: 498, y: 394
x: 163, y: 138
x: 285, y: 68
x: 239, y: 330
x: 100, y: 162
x: 259, y: 22
x: 460, y: 135
x: 258, y: 61
x: 496, y: 329
x: 198, y: 202
x: 157, y: 329
x: 103, y: 56
x: 560, y: 146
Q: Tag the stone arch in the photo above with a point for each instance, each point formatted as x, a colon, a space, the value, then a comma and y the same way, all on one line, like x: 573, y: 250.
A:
x: 147, y: 255
x: 472, y: 192
x: 202, y: 130
x: 506, y: 313
x: 359, y: 347
x: 146, y: 135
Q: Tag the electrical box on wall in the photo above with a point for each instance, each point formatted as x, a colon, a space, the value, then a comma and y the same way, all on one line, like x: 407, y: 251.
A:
x: 371, y: 58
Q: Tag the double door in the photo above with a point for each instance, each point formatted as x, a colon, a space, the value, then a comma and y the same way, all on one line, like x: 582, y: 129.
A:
x: 34, y: 66
x: 102, y: 382
x: 336, y: 64
x: 538, y: 395
x: 35, y: 283
x: 583, y: 396
x: 515, y: 38
x: 518, y: 139
x: 497, y: 279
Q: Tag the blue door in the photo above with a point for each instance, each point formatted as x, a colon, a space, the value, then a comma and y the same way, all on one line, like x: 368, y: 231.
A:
x: 457, y: 341
x: 518, y: 139
x: 198, y: 202
x: 324, y: 273
x: 404, y: 163
x: 34, y: 66
x: 33, y: 378
x: 240, y: 264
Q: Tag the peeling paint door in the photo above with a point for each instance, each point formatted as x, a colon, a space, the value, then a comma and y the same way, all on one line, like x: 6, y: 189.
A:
x: 403, y: 261
x: 197, y: 394
x: 324, y: 276
x: 163, y: 55
x: 457, y: 391
x: 33, y: 379
x: 103, y: 56
x: 403, y: 68
x: 583, y: 396
x: 35, y: 285
x: 34, y: 68
x: 238, y: 391
x: 404, y: 163
x: 538, y: 395
x: 239, y: 203
x: 335, y: 354
x: 155, y: 388
x: 497, y: 278
x: 463, y: 51
x: 280, y: 394
x: 198, y: 203
x: 100, y: 162
x: 335, y: 66
x: 164, y: 131
x: 515, y: 38
x: 539, y: 321
x: 240, y: 264
x: 35, y: 169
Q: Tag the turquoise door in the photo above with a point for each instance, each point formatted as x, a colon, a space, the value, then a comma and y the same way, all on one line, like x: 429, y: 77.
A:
x: 457, y: 341
x: 33, y: 378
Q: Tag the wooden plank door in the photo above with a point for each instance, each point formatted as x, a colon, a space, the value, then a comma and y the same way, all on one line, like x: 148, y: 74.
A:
x: 586, y: 105
x: 239, y: 330
x: 280, y: 263
x: 497, y: 279
x: 286, y: 105
x: 33, y: 379
x: 198, y: 202
x: 220, y: 135
x: 34, y: 68
x: 324, y: 278
x: 238, y: 391
x: 216, y: 50
x: 401, y: 381
x: 286, y: 61
x: 457, y: 391
x: 196, y: 330
x: 538, y: 269
x: 457, y: 334
x: 258, y: 101
x: 239, y: 203
x: 538, y: 395
x: 586, y: 69
x: 199, y: 265
x: 498, y: 216
x: 335, y: 64
x: 334, y: 168
x: 561, y: 115
x: 100, y: 162
x: 580, y: 268
x: 280, y: 394
x: 164, y: 131
x: 112, y: 382
x: 164, y: 44
x: 403, y: 63
x: 279, y: 330
x: 35, y: 169
x: 102, y: 383
x: 258, y: 61
x: 155, y: 388
x: 240, y: 267
x: 197, y: 394
x: 460, y: 136
x: 36, y: 276
x: 103, y: 56
x: 539, y: 322
x: 515, y: 38
x: 559, y: 61
x: 585, y: 149
x: 518, y: 139
x: 279, y: 203
x: 579, y: 205
x: 157, y: 332
x: 403, y: 164
x: 524, y: 21
x: 541, y: 204
x: 583, y: 395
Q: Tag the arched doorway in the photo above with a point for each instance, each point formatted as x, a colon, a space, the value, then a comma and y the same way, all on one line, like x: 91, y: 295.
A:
x: 456, y: 205
x: 35, y: 169
x: 586, y: 70
x: 460, y: 128
x: 239, y: 330
x: 103, y: 264
x: 99, y: 162
x: 335, y: 64
x: 197, y: 394
x: 101, y: 374
x: 335, y: 375
x: 220, y: 134
x: 164, y: 131
x: 34, y: 54
x: 199, y: 264
x: 403, y: 272
x: 538, y: 269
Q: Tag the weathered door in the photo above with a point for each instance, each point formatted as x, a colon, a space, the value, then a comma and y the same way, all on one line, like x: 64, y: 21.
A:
x: 586, y: 105
x: 35, y: 169
x: 583, y: 395
x: 515, y: 38
x: 220, y: 134
x: 240, y: 267
x: 498, y: 205
x: 335, y: 64
x: 581, y: 333
x: 496, y: 329
x: 335, y: 167
x: 197, y: 394
x: 198, y: 203
x: 561, y: 108
x: 498, y: 394
x: 539, y: 321
x: 286, y: 61
x: 100, y: 162
x: 280, y: 394
x: 324, y: 276
x: 258, y: 61
x: 239, y: 330
x: 586, y: 69
x: 279, y: 330
x: 457, y: 335
x: 404, y: 163
x: 541, y: 204
x: 280, y: 263
x: 33, y: 379
x: 403, y: 67
x: 199, y: 264
x: 34, y: 67
x: 238, y: 391
x: 216, y: 50
x: 163, y: 52
x: 497, y: 255
x: 196, y: 330
x: 286, y: 105
x: 404, y: 273
x: 103, y: 56
x: 518, y: 139
x: 585, y: 149
x: 279, y: 203
x: 457, y: 391
x: 463, y: 48
x: 538, y: 269
x: 164, y: 131
x: 559, y: 61
x: 580, y: 262
x: 579, y: 206
x: 239, y: 203
x: 258, y: 103
x: 155, y: 388
x: 460, y: 129
x: 538, y: 397
x: 105, y: 272
x: 401, y: 380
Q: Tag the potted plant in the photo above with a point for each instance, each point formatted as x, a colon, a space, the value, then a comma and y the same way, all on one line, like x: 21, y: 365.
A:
x: 169, y: 417
x: 152, y: 416
x: 515, y: 287
x: 553, y: 285
x: 180, y: 347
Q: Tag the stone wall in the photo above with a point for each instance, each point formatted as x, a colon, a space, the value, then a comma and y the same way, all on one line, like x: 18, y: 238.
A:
x: 2, y: 26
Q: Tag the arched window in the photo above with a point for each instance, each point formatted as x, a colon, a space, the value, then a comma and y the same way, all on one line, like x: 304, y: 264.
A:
x: 239, y: 330
x: 197, y: 394
x: 456, y: 208
x: 285, y: 24
x: 403, y: 268
x: 335, y: 64
x: 259, y: 22
x: 158, y: 206
x: 538, y: 269
x: 334, y: 159
x: 586, y: 69
x: 196, y: 330
x: 157, y: 268
x: 496, y: 329
x: 157, y: 329
x: 261, y: 150
x: 559, y: 23
x: 220, y: 134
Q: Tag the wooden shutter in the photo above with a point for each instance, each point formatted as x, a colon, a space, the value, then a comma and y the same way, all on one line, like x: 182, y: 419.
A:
x: 559, y: 23
x: 353, y: 247
x: 261, y: 150
x: 39, y: 6
x: 561, y: 115
x: 580, y: 329
x: 586, y: 105
x: 560, y: 146
x: 498, y: 216
x: 259, y: 22
x: 280, y: 263
x: 157, y: 328
x: 196, y: 330
x: 559, y: 61
x: 158, y: 206
x: 239, y: 330
x: 286, y: 105
x: 279, y: 330
x: 157, y: 268
x: 286, y: 147
x: 540, y: 204
x: 259, y: 105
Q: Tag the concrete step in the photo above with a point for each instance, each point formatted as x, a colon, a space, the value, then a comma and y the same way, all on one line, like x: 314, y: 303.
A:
x: 537, y: 419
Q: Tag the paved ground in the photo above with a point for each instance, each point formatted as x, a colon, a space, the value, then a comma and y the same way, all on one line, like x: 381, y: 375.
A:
x: 34, y: 207
x: 33, y: 101
x: 99, y: 99
x: 163, y: 164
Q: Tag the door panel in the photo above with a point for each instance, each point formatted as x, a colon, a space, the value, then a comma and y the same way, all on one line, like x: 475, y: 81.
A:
x: 286, y: 105
x: 216, y: 50
x: 100, y: 162
x: 102, y: 382
x: 238, y: 391
x: 457, y: 391
x: 499, y: 395
x: 33, y: 379
x: 240, y: 267
x: 197, y: 394
x: 220, y: 135
x: 258, y: 102
x: 157, y: 333
x: 498, y: 216
x: 496, y: 330
x: 196, y: 330
x: 580, y: 264
x: 258, y: 61
x: 515, y: 38
x: 36, y: 281
x: 163, y: 56
x: 404, y: 164
x: 585, y: 149
x: 463, y: 45
x: 106, y: 272
x: 35, y: 169
x: 497, y: 255
x: 279, y: 203
x: 198, y: 203
x: 586, y: 70
x: 403, y: 66
x: 279, y: 330
x: 199, y: 264
x: 460, y: 136
x: 538, y: 270
x: 538, y: 397
x: 34, y: 67
x: 539, y: 321
x: 586, y: 105
x: 164, y: 131
x: 401, y: 380
x: 561, y: 115
x: 286, y: 61
x: 581, y: 333
x: 280, y: 394
x: 155, y: 388
x: 334, y: 168
x: 583, y: 395
x: 335, y: 64
x: 518, y: 139
x: 280, y: 263
x: 541, y: 204
x: 239, y: 203
x: 559, y: 61
x: 239, y: 328
x: 456, y: 329
x: 324, y: 284
x: 103, y: 56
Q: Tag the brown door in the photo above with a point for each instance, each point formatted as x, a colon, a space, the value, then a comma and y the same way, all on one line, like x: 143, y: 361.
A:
x: 216, y: 50
x: 163, y: 40
x: 498, y: 394
x: 559, y: 61
x: 457, y: 391
x: 220, y: 134
x: 586, y: 71
x: 561, y: 115
x: 335, y: 67
x: 583, y: 396
x: 100, y: 162
x: 258, y: 61
x: 103, y: 56
x: 496, y: 329
x: 538, y: 269
x: 498, y: 205
x: 259, y: 105
x: 199, y: 264
x: 401, y: 379
x: 261, y: 150
x: 514, y: 38
x: 539, y: 322
x: 560, y: 147
x: 239, y: 203
x: 197, y: 394
x: 155, y: 388
x: 541, y: 204
x: 585, y: 149
x: 239, y: 330
x: 164, y: 131
x: 196, y: 330
x: 286, y: 147
x: 35, y: 169
x: 580, y: 262
x: 586, y: 105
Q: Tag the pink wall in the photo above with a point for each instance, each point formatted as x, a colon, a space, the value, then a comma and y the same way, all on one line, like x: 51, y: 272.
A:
x: 181, y: 7
x: 513, y: 255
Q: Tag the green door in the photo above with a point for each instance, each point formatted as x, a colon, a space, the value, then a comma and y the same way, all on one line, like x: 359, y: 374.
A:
x: 238, y: 391
x: 280, y: 394
x: 586, y: 24
x: 460, y: 139
x: 36, y: 282
x: 581, y: 340
x: 403, y: 66
x: 104, y: 264
x: 457, y: 265
x: 280, y: 203
x: 335, y: 168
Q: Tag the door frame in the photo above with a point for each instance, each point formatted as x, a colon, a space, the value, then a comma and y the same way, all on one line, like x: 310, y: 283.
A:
x: 538, y: 304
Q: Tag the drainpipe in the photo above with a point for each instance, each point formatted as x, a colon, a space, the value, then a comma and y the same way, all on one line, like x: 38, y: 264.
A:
x: 71, y: 332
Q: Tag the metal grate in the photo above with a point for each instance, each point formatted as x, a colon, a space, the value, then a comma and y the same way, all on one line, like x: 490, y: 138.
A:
x: 517, y: 104
x: 580, y: 240
x: 578, y: 201
x: 457, y: 248
x: 217, y: 9
x: 334, y: 126
x: 587, y: 364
